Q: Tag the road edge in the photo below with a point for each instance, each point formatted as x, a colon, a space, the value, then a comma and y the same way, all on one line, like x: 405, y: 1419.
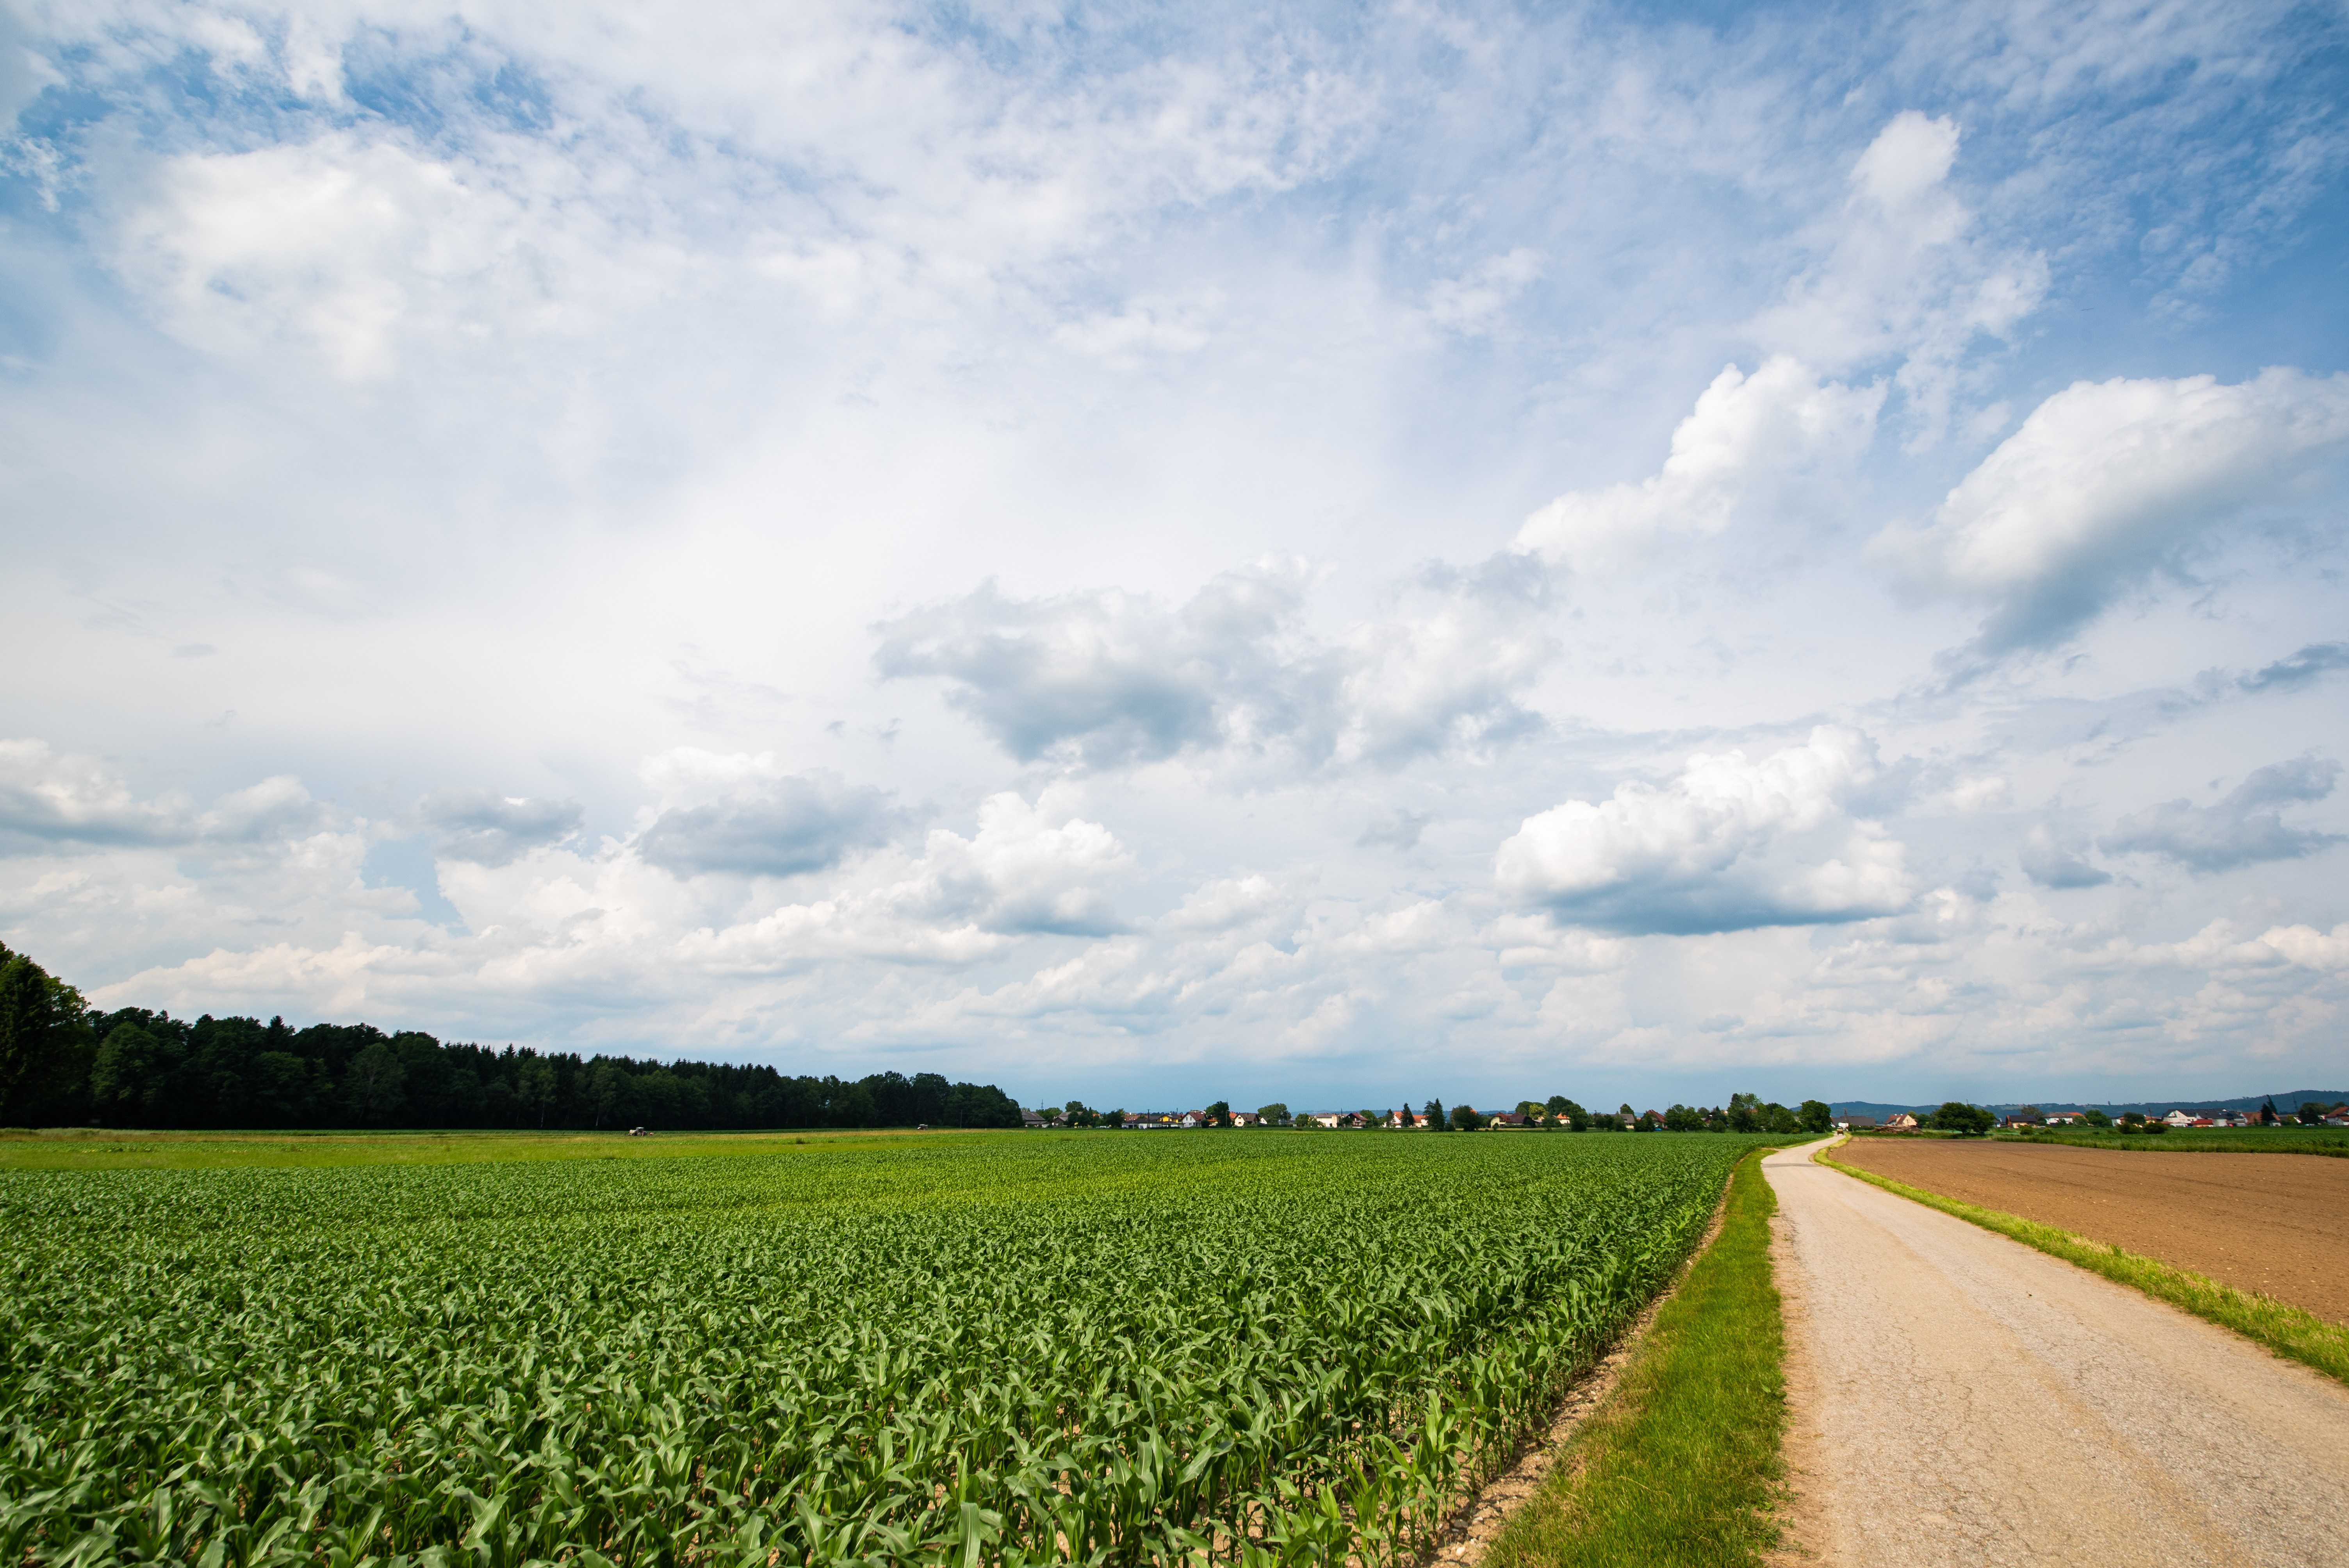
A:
x: 1639, y: 1474
x: 2290, y: 1332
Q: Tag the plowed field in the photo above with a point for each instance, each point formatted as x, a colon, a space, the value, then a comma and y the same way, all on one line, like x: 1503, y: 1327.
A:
x: 2276, y: 1224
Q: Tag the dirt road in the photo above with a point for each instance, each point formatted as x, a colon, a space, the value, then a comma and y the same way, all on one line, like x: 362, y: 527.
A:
x: 1960, y: 1399
x: 2276, y: 1224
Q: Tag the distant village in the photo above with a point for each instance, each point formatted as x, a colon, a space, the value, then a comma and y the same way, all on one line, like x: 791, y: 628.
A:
x: 1745, y: 1113
x: 2028, y: 1119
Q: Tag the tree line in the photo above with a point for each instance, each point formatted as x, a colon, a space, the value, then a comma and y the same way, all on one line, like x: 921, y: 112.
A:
x: 65, y: 1063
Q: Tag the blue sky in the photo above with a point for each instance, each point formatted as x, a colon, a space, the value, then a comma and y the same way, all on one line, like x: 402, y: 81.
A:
x: 1326, y: 554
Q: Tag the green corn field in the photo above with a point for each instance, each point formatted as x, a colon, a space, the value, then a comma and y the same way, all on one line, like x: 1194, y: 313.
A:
x: 1253, y: 1349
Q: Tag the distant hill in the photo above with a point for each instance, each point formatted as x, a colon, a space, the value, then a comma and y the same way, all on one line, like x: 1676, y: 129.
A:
x: 2284, y: 1102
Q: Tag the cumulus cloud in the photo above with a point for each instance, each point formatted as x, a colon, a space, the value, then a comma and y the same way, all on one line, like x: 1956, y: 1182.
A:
x: 2108, y: 482
x: 1030, y: 870
x: 45, y: 799
x: 492, y: 829
x: 50, y: 801
x: 2049, y: 862
x: 2244, y: 829
x: 1731, y: 843
x: 1110, y: 678
x: 1751, y: 441
x: 762, y: 821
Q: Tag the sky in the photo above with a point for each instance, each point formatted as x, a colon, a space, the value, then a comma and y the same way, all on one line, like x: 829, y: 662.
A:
x: 1335, y: 553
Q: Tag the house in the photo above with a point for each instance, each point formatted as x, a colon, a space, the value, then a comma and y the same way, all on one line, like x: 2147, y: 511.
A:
x: 1245, y: 1119
x: 2178, y: 1119
x: 1900, y: 1121
x: 2064, y: 1118
x: 1326, y: 1118
x: 1855, y: 1123
x: 1506, y: 1118
x: 1033, y: 1118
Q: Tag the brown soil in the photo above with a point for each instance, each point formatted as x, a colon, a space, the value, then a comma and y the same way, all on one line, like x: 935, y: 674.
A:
x: 2275, y: 1223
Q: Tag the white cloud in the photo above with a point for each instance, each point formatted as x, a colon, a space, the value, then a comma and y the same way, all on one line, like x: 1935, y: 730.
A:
x: 1030, y: 870
x: 2105, y: 483
x: 1902, y: 279
x: 49, y: 801
x: 1472, y: 304
x: 492, y: 829
x: 1729, y: 844
x: 1110, y: 678
x: 2051, y: 863
x: 2244, y: 829
x: 1750, y: 443
x: 771, y: 826
x: 337, y: 243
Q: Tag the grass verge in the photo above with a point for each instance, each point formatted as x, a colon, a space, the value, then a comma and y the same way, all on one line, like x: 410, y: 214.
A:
x: 2329, y: 1140
x: 1680, y: 1465
x: 93, y: 1149
x: 2289, y: 1331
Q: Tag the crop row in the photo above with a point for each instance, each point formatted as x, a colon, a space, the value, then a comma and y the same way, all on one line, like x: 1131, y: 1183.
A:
x: 1016, y: 1351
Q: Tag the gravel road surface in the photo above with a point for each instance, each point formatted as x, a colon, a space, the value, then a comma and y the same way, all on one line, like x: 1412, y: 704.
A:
x: 1960, y: 1399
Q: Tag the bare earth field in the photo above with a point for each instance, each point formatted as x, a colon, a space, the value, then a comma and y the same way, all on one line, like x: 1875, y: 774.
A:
x: 2275, y: 1223
x: 1956, y: 1397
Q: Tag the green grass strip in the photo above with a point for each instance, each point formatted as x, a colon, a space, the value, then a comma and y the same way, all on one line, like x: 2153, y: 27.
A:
x: 2288, y: 1330
x: 2330, y: 1142
x: 1680, y: 1464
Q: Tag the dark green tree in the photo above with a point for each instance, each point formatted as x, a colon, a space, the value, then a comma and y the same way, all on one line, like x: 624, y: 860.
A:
x: 45, y: 1043
x: 1274, y: 1115
x: 1816, y: 1116
x: 132, y: 1071
x: 1466, y: 1119
x: 1435, y: 1109
x: 2095, y: 1118
x: 1220, y: 1113
x: 1966, y: 1120
x: 376, y: 1084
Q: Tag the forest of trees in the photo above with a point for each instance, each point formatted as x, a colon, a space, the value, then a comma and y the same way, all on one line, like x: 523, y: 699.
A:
x: 63, y: 1063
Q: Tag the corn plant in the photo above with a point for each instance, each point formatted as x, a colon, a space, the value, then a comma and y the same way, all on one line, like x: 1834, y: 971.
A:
x: 1104, y: 1350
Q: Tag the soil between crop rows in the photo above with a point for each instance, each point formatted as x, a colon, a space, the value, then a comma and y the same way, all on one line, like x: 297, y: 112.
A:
x: 2275, y: 1223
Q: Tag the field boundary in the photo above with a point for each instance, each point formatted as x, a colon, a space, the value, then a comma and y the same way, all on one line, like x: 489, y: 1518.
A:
x: 1480, y: 1521
x: 2289, y: 1331
x: 1679, y: 1461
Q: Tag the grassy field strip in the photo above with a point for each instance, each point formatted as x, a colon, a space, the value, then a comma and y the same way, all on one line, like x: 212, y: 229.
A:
x: 1681, y: 1463
x: 2287, y: 1330
x: 2329, y: 1141
x: 88, y: 1149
